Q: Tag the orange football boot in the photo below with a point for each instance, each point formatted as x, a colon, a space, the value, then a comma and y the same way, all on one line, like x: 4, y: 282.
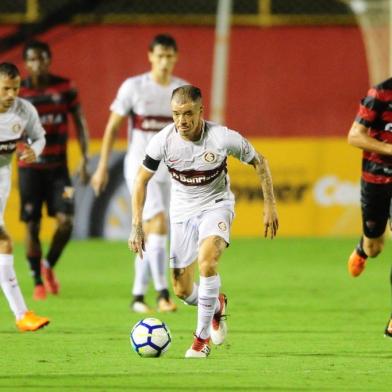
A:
x: 39, y: 293
x: 52, y: 285
x: 356, y: 264
x: 166, y: 305
x: 31, y: 322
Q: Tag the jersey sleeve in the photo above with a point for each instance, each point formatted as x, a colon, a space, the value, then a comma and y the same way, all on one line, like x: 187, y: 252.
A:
x: 238, y: 146
x: 154, y: 152
x: 71, y: 96
x: 123, y: 102
x: 34, y: 130
x: 369, y: 108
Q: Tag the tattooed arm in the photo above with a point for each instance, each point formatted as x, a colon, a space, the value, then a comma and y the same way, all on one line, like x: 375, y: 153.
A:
x: 136, y: 239
x: 271, y: 222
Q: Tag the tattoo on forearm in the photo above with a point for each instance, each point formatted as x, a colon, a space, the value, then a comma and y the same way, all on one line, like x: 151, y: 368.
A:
x: 265, y: 179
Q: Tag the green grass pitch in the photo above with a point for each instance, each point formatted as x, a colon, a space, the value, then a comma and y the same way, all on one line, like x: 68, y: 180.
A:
x: 297, y: 322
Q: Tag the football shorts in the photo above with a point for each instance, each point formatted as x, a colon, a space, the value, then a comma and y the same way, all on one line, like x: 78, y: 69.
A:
x: 376, y: 208
x: 186, y: 237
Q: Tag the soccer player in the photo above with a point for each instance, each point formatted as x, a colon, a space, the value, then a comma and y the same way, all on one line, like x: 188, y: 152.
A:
x: 145, y: 100
x: 371, y: 132
x: 17, y: 117
x: 202, y: 207
x: 47, y: 181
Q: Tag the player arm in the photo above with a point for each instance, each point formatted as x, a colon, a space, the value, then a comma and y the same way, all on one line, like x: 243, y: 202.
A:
x: 83, y: 139
x: 271, y: 222
x: 100, y: 177
x: 136, y: 240
x: 81, y: 130
x: 358, y: 137
x: 36, y: 134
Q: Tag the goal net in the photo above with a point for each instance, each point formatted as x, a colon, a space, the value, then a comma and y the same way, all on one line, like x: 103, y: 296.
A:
x: 374, y: 18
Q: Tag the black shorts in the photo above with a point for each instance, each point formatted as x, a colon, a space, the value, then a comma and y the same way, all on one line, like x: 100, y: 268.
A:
x: 376, y: 208
x: 52, y: 187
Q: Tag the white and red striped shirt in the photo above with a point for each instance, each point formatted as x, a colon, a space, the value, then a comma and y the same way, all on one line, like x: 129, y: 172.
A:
x: 147, y: 104
x: 198, y: 169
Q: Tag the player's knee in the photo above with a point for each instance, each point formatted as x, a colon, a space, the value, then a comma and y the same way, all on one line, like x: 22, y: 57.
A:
x: 33, y: 227
x: 5, y: 242
x: 65, y: 224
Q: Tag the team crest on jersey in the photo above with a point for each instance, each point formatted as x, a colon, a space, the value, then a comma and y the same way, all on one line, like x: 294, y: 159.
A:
x: 222, y: 226
x: 209, y: 157
x: 16, y: 128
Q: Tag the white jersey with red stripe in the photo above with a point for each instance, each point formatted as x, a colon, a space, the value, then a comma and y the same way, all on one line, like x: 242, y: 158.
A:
x: 198, y: 169
x: 20, y: 119
x: 147, y: 104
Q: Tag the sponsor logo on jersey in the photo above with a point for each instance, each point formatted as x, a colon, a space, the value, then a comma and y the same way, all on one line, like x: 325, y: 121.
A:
x: 8, y: 146
x: 52, y: 118
x: 197, y: 177
x: 150, y: 123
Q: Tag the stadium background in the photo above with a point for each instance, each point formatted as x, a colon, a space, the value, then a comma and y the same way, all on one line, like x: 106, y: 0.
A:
x: 297, y: 70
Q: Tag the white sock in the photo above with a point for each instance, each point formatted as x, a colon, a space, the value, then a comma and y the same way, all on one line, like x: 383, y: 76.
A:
x: 192, y: 298
x: 156, y: 254
x: 10, y: 286
x: 208, y: 297
x: 142, y: 275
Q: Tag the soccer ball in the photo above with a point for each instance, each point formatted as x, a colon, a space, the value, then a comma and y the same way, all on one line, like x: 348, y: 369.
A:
x: 150, y: 337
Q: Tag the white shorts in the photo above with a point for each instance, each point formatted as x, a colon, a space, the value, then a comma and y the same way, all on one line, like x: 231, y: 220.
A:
x: 5, y: 186
x: 186, y: 237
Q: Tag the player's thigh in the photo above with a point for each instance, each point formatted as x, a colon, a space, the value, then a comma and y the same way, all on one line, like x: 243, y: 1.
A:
x: 59, y: 192
x: 215, y: 223
x: 375, y: 207
x: 183, y: 243
x: 32, y: 193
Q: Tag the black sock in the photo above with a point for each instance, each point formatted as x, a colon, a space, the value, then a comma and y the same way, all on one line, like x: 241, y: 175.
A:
x: 35, y: 268
x: 60, y: 239
x: 360, y: 250
x: 164, y: 294
x: 138, y: 298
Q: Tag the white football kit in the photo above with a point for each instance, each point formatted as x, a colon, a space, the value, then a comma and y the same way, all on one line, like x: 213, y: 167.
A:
x: 147, y: 104
x: 20, y: 120
x: 202, y: 203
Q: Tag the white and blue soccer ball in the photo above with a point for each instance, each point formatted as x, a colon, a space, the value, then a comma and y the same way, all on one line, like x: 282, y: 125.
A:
x: 150, y: 337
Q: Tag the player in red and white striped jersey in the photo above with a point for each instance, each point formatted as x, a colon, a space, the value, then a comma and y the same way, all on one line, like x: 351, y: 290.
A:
x: 47, y: 181
x: 372, y: 133
x: 145, y: 100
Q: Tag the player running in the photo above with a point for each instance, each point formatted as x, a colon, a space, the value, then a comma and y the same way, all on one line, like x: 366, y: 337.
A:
x: 371, y: 132
x: 202, y: 207
x: 145, y: 100
x: 17, y: 117
x: 47, y: 180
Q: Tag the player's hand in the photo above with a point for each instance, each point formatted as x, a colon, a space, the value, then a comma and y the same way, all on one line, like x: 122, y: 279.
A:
x: 271, y: 222
x: 84, y: 175
x: 136, y: 240
x: 99, y: 180
x: 25, y: 153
